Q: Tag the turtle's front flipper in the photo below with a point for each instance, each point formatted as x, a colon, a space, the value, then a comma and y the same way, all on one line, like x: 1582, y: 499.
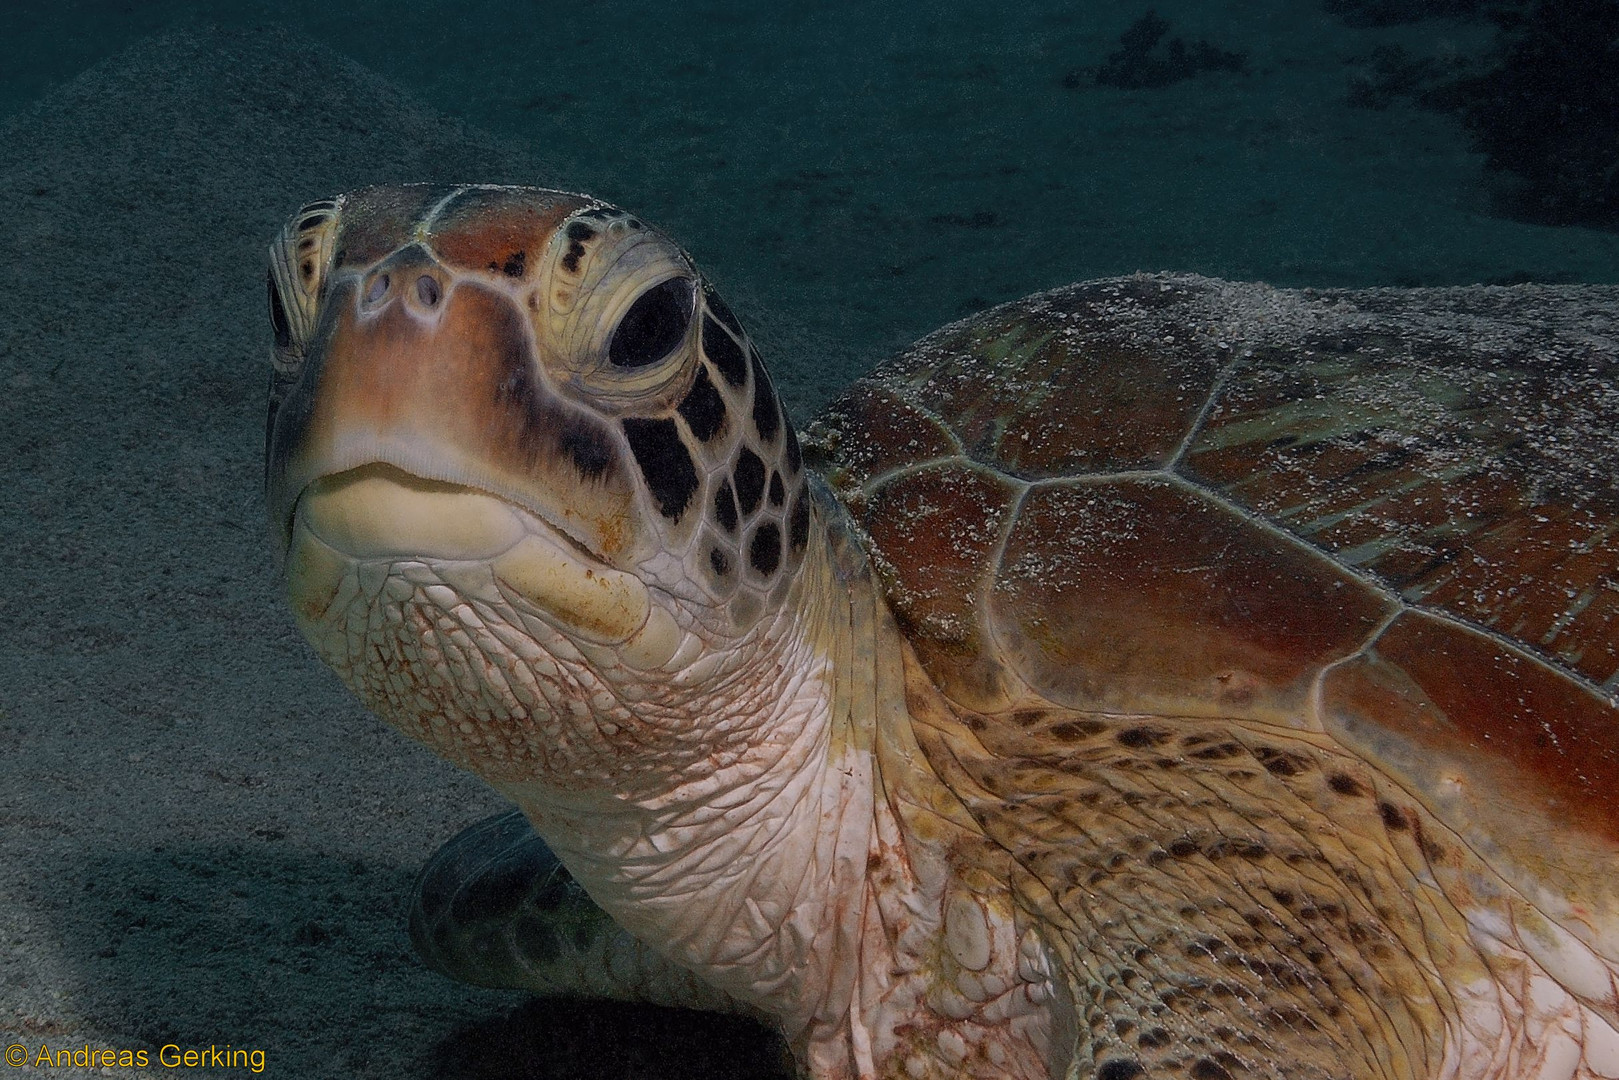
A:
x: 494, y: 907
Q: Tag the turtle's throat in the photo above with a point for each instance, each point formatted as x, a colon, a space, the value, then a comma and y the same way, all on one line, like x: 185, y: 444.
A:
x: 751, y: 869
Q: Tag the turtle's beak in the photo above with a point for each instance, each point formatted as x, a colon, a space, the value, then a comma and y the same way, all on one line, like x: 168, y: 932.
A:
x: 422, y: 430
x: 440, y: 382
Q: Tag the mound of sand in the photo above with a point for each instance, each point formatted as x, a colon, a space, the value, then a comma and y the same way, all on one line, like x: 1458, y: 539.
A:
x: 206, y: 841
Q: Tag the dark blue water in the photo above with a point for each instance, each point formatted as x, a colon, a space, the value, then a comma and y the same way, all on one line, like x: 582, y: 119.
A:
x: 856, y: 174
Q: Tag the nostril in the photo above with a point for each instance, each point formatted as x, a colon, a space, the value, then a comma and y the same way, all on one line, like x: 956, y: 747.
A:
x: 427, y: 290
x: 379, y: 286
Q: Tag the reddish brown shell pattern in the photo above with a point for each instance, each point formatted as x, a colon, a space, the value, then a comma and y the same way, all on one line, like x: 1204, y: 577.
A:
x: 1387, y: 515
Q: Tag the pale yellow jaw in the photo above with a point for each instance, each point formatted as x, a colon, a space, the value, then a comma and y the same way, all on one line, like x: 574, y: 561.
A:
x: 378, y: 513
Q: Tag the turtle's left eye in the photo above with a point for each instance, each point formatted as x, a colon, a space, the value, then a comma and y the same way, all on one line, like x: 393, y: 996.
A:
x: 653, y: 326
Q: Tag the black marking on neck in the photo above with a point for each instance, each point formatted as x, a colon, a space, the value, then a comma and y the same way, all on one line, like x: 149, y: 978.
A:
x: 725, y: 507
x: 764, y: 550
x: 665, y: 463
x: 795, y: 453
x: 766, y: 413
x: 798, y: 522
x: 750, y: 480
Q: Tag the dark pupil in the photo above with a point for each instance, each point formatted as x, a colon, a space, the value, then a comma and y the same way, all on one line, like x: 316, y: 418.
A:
x: 653, y: 326
x: 278, y: 315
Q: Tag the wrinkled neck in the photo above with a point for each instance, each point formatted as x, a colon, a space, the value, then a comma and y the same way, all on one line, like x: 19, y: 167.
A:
x: 748, y: 864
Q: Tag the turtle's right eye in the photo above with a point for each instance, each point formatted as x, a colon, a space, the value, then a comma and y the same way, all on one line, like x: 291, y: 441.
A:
x: 278, y: 315
x: 653, y: 326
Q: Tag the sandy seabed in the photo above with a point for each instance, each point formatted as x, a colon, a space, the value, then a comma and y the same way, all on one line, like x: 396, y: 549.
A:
x: 204, y: 841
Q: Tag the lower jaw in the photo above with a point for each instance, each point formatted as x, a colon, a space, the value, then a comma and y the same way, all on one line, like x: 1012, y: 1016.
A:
x: 378, y: 514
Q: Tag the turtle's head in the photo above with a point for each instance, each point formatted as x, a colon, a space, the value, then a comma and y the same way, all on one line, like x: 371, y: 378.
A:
x: 515, y: 422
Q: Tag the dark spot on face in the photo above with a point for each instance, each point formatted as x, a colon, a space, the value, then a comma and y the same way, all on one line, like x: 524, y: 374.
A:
x: 750, y: 480
x: 311, y: 221
x: 778, y: 494
x: 579, y: 231
x: 1283, y: 897
x: 635, y: 223
x: 1141, y: 737
x: 664, y: 461
x: 720, y: 310
x: 1119, y: 1069
x: 764, y: 552
x: 1183, y: 848
x: 703, y: 407
x: 1209, y: 1069
x: 306, y: 243
x: 570, y: 260
x: 1153, y: 1038
x: 278, y: 316
x: 798, y: 522
x: 724, y: 352
x: 1393, y: 817
x: 1217, y: 752
x: 1345, y: 785
x: 586, y: 445
x: 766, y: 413
x: 653, y: 326
x: 307, y: 269
x: 725, y: 507
x: 720, y: 561
x: 516, y: 263
x: 548, y: 428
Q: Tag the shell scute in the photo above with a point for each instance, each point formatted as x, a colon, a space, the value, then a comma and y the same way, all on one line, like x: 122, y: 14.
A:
x: 948, y: 518
x: 1036, y: 396
x: 1478, y: 484
x: 873, y: 430
x: 1461, y: 714
x: 1142, y: 595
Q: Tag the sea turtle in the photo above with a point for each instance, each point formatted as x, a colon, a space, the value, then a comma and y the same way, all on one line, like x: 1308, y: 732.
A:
x: 1100, y: 690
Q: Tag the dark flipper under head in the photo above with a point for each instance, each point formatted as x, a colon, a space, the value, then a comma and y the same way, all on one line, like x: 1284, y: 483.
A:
x: 494, y: 907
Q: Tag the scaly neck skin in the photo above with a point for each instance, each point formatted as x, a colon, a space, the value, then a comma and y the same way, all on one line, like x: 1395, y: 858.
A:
x: 754, y: 872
